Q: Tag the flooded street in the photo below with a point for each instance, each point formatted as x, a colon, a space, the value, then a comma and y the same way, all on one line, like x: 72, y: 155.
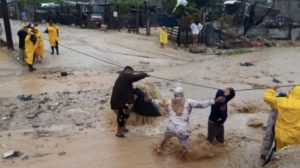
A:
x: 67, y: 122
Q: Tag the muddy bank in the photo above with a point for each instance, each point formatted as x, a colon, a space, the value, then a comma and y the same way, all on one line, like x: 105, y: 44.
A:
x: 45, y: 110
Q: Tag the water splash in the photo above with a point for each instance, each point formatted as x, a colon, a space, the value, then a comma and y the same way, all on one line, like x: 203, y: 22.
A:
x: 199, y: 149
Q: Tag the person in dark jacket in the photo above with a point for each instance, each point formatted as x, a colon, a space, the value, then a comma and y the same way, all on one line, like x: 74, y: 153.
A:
x: 218, y: 116
x: 22, y: 35
x: 122, y: 95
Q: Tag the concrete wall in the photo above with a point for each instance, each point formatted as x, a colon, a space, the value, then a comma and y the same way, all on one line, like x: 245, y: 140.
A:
x: 289, y: 7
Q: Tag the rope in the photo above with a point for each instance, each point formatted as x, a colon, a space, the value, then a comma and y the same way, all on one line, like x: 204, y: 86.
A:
x: 140, y: 55
x: 88, y: 55
x: 213, y: 88
x: 161, y: 78
x: 91, y: 56
x: 281, y: 86
x: 188, y: 83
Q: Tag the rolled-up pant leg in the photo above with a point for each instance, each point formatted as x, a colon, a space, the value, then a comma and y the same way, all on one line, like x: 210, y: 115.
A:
x: 121, y: 118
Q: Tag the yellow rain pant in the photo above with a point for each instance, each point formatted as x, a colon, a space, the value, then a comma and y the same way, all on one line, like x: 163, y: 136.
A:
x: 287, y: 127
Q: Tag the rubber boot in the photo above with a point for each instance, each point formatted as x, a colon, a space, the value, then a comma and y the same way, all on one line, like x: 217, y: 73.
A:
x: 52, y: 50
x: 56, y: 48
x: 31, y: 69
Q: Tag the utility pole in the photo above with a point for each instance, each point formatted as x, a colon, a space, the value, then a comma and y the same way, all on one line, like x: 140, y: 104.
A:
x: 147, y: 18
x: 7, y: 27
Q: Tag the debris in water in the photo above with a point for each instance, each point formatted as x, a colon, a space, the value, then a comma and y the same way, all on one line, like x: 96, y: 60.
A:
x: 45, y: 99
x: 247, y: 64
x: 35, y: 125
x: 257, y: 85
x: 276, y: 80
x: 5, y: 118
x: 26, y: 157
x: 144, y: 62
x: 64, y: 74
x: 25, y: 98
x: 40, y: 155
x: 31, y: 116
x: 79, y: 124
x: 11, y: 154
x: 254, y: 122
x: 103, y: 101
x: 43, y: 133
x: 62, y: 153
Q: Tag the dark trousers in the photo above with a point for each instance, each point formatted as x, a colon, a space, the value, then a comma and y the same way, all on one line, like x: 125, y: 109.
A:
x: 56, y: 48
x: 122, y: 116
x: 215, y: 131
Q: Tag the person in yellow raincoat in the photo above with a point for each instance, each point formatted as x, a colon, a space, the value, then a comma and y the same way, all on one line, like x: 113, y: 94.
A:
x: 163, y: 37
x: 30, y: 46
x: 40, y: 50
x: 287, y: 127
x: 53, y: 35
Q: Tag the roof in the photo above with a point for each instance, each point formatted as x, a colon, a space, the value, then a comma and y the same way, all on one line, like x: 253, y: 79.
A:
x: 230, y: 2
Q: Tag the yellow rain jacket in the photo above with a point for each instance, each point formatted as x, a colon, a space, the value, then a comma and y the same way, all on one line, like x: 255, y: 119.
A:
x: 287, y: 127
x: 40, y: 50
x: 53, y: 35
x: 164, y: 36
x: 29, y: 49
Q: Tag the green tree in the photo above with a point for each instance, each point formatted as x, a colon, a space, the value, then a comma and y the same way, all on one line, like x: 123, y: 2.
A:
x: 169, y: 5
x: 125, y: 5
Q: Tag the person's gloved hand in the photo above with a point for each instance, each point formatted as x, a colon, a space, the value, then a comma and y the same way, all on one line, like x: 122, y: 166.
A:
x: 220, y: 99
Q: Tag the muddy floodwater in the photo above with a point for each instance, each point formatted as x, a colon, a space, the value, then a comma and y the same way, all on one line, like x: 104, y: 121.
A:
x: 65, y: 121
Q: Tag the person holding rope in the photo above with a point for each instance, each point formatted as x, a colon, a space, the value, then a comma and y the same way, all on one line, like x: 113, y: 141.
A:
x: 218, y: 116
x: 287, y: 126
x: 122, y: 96
x: 179, y: 111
